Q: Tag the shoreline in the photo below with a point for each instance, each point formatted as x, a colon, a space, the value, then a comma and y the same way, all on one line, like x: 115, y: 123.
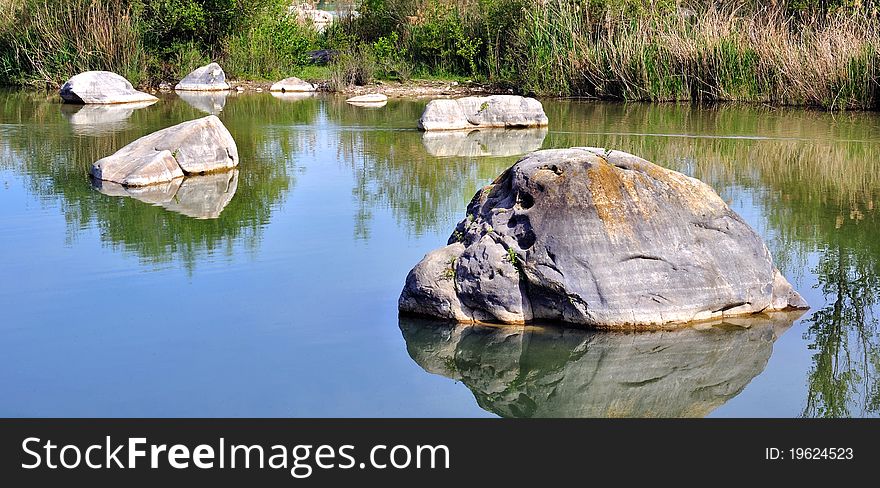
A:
x: 391, y: 89
x: 420, y: 89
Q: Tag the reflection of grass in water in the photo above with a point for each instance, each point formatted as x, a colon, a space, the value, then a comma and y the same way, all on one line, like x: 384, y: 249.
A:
x: 393, y: 170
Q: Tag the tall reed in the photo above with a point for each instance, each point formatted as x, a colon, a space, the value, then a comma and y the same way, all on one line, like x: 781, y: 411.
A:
x: 46, y: 41
x: 764, y: 55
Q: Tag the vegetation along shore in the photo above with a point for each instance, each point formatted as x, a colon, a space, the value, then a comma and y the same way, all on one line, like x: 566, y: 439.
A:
x: 821, y: 53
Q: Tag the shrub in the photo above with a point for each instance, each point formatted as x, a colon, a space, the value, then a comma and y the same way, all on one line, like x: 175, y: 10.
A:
x: 356, y: 66
x: 274, y: 45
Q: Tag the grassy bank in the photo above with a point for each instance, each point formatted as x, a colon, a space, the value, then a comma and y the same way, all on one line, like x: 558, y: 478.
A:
x: 798, y: 52
x: 148, y: 41
x: 820, y: 53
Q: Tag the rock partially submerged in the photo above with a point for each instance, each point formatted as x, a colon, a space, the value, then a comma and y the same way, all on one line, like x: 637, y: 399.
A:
x: 484, y: 142
x: 468, y: 113
x: 194, y: 147
x: 101, y: 87
x: 207, y: 78
x: 528, y: 371
x: 599, y: 238
x: 293, y: 85
x: 369, y: 100
x: 198, y: 196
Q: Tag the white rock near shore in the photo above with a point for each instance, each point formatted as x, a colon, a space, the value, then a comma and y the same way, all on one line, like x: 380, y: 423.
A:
x: 293, y: 85
x: 101, y: 87
x: 370, y: 99
x: 599, y: 238
x: 207, y: 78
x: 194, y: 147
x: 468, y: 113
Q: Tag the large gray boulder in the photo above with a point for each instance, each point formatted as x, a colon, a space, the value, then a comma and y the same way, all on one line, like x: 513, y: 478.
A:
x: 528, y: 371
x: 468, y: 113
x: 207, y: 78
x: 101, y: 87
x: 599, y: 238
x: 484, y: 142
x: 194, y: 147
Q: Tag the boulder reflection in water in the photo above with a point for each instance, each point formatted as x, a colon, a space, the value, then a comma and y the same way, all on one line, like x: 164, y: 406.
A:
x: 197, y: 196
x: 483, y: 142
x: 535, y: 371
x: 96, y: 120
x: 210, y: 102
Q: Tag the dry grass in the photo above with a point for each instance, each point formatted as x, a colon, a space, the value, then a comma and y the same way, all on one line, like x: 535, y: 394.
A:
x: 763, y: 56
x: 47, y: 41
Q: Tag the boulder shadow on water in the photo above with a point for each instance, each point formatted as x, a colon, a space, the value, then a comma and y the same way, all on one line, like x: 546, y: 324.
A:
x: 483, y: 142
x: 210, y: 102
x: 197, y: 196
x: 537, y: 371
x: 292, y: 96
x: 95, y: 120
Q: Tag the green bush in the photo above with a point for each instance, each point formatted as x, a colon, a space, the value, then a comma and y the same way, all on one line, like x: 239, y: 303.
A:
x: 355, y: 66
x: 206, y: 23
x: 391, y: 59
x: 273, y: 46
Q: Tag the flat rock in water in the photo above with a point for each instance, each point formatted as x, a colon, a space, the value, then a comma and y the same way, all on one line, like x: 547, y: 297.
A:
x: 369, y: 99
x: 484, y: 142
x: 193, y: 147
x: 292, y: 84
x: 207, y: 78
x: 506, y: 111
x: 101, y: 87
x: 599, y: 238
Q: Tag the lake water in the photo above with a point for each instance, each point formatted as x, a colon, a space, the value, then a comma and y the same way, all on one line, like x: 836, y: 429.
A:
x: 273, y: 291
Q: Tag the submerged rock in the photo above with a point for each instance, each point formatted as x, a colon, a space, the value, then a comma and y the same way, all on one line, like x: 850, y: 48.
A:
x: 193, y: 147
x: 292, y: 84
x: 95, y: 120
x: 209, y: 102
x: 528, y: 371
x: 199, y: 196
x: 101, y: 87
x: 485, y: 142
x: 207, y: 78
x: 599, y: 238
x: 369, y: 100
x: 506, y: 111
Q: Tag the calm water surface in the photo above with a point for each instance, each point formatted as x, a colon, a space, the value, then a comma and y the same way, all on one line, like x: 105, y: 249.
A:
x: 273, y: 291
